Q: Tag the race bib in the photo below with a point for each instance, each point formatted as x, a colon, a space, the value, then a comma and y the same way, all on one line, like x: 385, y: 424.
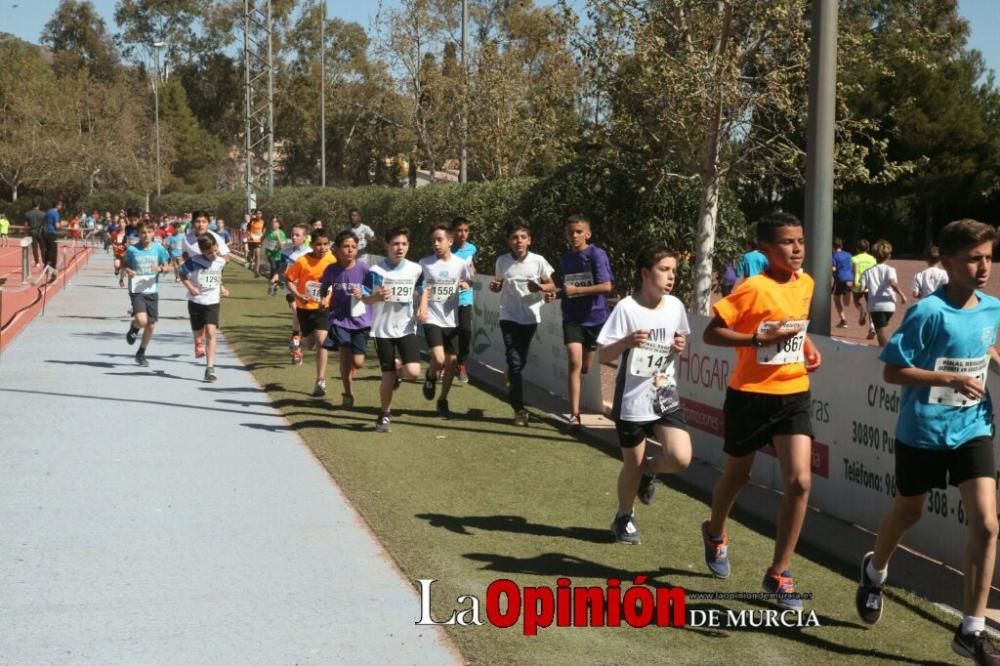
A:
x: 400, y: 291
x: 579, y: 280
x: 142, y: 284
x: 313, y: 290
x: 440, y: 290
x: 210, y: 279
x: 270, y: 244
x: 787, y: 351
x: 650, y: 359
x: 357, y: 307
x: 974, y: 367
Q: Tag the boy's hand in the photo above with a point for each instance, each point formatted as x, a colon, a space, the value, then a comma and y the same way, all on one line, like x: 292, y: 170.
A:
x: 551, y: 296
x: 680, y: 344
x: 496, y: 285
x: 533, y: 287
x: 570, y: 290
x: 421, y: 314
x: 813, y: 358
x: 637, y: 338
x: 382, y: 293
x: 778, y: 334
x: 357, y: 293
x: 967, y: 385
x: 223, y: 291
x: 194, y: 291
x: 464, y: 286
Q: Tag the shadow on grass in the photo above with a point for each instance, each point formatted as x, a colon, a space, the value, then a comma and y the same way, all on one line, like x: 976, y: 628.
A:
x: 515, y: 525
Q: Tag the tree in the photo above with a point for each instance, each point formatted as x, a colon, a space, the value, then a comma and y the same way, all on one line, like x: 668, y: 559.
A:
x: 79, y: 40
x: 199, y: 155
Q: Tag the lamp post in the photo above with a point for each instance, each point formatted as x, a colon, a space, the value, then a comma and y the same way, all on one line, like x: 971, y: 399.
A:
x: 463, y: 167
x: 322, y: 92
x: 157, y: 46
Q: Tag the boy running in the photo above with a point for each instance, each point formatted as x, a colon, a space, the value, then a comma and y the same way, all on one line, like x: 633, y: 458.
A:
x: 521, y: 278
x: 350, y: 318
x: 289, y: 256
x: 880, y: 283
x: 4, y: 230
x: 175, y: 247
x: 390, y: 288
x: 587, y: 281
x: 255, y: 236
x: 944, y: 434
x: 201, y: 275
x: 860, y: 263
x: 304, y: 282
x: 463, y: 249
x: 645, y: 332
x: 927, y: 281
x: 274, y: 241
x: 361, y: 231
x: 767, y: 401
x: 191, y: 248
x: 444, y: 277
x: 843, y: 278
x: 144, y: 262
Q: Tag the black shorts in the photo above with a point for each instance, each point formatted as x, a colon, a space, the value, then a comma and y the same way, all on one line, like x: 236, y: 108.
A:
x: 203, y: 315
x: 842, y: 287
x: 340, y: 338
x: 407, y: 347
x: 438, y: 336
x: 752, y: 419
x: 311, y: 321
x: 289, y: 298
x: 918, y: 470
x: 632, y: 434
x: 580, y: 334
x: 880, y: 319
x: 148, y: 303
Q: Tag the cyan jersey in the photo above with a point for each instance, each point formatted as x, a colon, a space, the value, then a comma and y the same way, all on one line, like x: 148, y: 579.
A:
x: 936, y: 336
x: 467, y: 252
x: 143, y: 260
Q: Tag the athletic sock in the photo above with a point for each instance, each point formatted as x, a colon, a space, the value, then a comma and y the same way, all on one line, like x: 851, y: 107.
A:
x: 142, y: 351
x: 972, y: 625
x: 624, y: 512
x: 876, y: 576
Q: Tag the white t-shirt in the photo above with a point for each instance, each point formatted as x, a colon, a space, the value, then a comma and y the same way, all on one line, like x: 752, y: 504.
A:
x: 647, y: 375
x: 877, y: 280
x: 927, y: 281
x: 441, y: 279
x: 364, y: 234
x: 205, y: 275
x: 396, y: 317
x: 517, y: 303
x: 190, y: 245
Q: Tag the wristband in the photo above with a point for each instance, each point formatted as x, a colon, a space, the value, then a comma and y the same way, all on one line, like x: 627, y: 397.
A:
x: 755, y: 341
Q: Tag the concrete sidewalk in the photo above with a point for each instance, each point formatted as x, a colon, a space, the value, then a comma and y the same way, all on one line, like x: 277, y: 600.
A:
x: 148, y: 518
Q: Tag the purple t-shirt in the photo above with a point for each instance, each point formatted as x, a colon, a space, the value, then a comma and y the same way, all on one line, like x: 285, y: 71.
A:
x: 586, y: 268
x: 346, y: 311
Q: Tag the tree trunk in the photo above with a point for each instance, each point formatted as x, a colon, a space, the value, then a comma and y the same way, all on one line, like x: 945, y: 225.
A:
x: 13, y: 192
x: 928, y: 227
x: 705, y: 242
x: 147, y: 201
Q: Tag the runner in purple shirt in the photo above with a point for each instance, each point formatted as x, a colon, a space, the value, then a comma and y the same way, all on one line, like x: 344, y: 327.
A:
x: 587, y: 281
x: 350, y: 318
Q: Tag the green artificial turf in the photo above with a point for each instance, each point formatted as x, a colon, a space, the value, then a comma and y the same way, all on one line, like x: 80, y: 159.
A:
x: 475, y: 499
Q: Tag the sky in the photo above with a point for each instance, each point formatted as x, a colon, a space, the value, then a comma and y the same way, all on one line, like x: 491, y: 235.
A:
x: 26, y: 18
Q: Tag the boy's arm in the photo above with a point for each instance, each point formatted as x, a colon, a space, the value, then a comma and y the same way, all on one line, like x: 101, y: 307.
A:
x: 895, y: 288
x: 909, y: 376
x: 717, y: 333
x: 593, y: 290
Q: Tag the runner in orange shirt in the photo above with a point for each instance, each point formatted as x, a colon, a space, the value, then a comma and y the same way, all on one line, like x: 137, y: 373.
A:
x: 767, y: 401
x: 304, y: 281
x: 255, y: 236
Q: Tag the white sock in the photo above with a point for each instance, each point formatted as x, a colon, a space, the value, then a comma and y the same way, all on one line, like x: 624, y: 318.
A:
x: 973, y: 625
x: 875, y: 575
x: 624, y: 512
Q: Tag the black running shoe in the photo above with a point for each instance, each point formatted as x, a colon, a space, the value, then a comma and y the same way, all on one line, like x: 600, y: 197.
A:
x: 140, y: 359
x: 978, y: 646
x: 130, y: 336
x: 384, y: 422
x: 625, y: 530
x: 647, y: 488
x: 442, y: 409
x: 430, y: 385
x: 868, y: 598
x: 210, y: 375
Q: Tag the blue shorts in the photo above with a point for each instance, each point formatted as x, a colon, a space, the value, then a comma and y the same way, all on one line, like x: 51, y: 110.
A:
x: 340, y: 337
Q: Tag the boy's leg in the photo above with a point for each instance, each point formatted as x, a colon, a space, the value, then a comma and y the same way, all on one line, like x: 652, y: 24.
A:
x: 346, y: 366
x: 794, y: 456
x: 574, y: 354
x: 675, y: 450
x: 517, y: 340
x: 979, y: 497
x: 319, y: 336
x: 450, y: 366
x: 903, y: 513
x: 633, y: 458
x: 210, y: 344
x: 464, y: 334
x: 735, y: 475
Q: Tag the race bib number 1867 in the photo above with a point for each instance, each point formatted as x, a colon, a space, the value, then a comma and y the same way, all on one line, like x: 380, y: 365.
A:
x: 787, y: 351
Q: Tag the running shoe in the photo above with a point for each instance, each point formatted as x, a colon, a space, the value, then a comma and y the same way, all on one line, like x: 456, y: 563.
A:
x: 521, y: 417
x: 716, y: 552
x: 199, y: 349
x: 348, y: 401
x: 783, y: 587
x: 384, y: 422
x: 868, y: 599
x: 842, y: 323
x: 647, y: 488
x: 429, y: 387
x: 130, y: 336
x: 574, y: 422
x: 210, y: 375
x: 871, y: 334
x: 140, y: 359
x: 463, y: 373
x: 320, y: 390
x: 625, y: 530
x: 977, y: 646
x: 442, y: 409
x: 294, y: 343
x: 297, y: 357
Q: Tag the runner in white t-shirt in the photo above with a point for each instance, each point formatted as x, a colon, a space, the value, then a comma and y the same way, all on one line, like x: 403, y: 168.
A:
x: 927, y: 281
x: 201, y: 275
x: 880, y: 281
x: 199, y: 228
x: 390, y: 289
x: 364, y: 233
x: 522, y: 279
x: 444, y: 276
x: 289, y: 256
x: 646, y: 332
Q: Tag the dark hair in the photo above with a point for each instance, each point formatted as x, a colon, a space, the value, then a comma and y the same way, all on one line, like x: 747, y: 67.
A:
x: 199, y: 213
x: 301, y: 225
x: 576, y: 219
x: 206, y: 243
x: 317, y: 234
x: 648, y: 257
x: 441, y: 227
x: 767, y: 226
x: 838, y: 242
x: 515, y: 225
x: 862, y: 245
x: 881, y: 250
x: 961, y: 234
x: 933, y: 255
x: 459, y: 221
x: 132, y: 212
x: 353, y: 210
x: 314, y: 220
x: 344, y: 235
x: 397, y: 231
x: 148, y: 225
